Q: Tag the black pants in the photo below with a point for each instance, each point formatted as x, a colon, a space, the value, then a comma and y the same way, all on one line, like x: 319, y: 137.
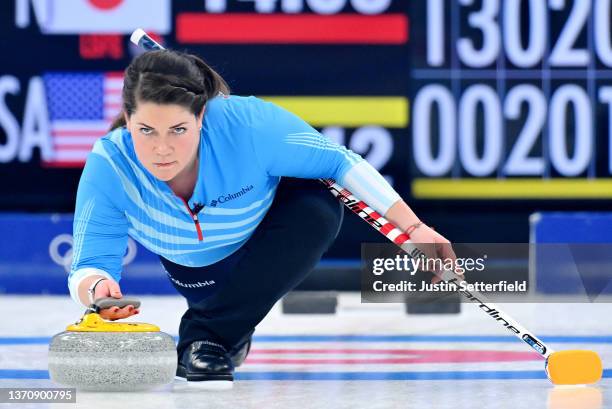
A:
x: 229, y: 298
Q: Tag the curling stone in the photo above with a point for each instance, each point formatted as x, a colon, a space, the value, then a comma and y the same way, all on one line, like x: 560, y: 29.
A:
x: 98, y: 355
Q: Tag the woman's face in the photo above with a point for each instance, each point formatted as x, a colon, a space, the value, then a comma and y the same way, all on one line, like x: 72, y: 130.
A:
x: 166, y: 138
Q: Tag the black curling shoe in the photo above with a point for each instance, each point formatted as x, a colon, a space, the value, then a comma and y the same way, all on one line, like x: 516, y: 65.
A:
x: 206, y: 365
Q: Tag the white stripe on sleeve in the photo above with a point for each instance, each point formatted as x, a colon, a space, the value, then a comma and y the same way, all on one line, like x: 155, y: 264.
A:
x: 368, y: 185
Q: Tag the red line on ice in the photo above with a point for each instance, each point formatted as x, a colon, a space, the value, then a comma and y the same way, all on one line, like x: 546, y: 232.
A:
x: 414, y: 356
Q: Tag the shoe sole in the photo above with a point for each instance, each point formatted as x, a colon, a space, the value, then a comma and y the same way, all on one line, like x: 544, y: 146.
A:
x: 208, y: 385
x: 204, y: 381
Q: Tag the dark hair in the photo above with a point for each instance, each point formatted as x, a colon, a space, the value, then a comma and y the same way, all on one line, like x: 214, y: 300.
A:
x: 169, y: 77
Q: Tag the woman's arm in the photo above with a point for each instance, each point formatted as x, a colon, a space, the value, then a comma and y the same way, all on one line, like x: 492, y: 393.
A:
x: 406, y: 220
x: 402, y: 216
x: 367, y: 184
x: 285, y: 145
x: 99, y: 231
x: 83, y: 288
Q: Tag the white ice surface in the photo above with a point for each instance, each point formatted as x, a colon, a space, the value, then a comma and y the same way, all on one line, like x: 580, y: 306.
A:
x: 44, y: 316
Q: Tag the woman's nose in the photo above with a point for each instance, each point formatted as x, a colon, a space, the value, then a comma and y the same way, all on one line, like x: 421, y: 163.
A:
x: 162, y: 149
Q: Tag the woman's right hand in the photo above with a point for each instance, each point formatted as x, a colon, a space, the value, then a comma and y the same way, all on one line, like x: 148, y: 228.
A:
x: 110, y: 288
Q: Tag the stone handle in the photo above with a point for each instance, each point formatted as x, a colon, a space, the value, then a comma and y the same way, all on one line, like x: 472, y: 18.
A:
x: 107, y: 302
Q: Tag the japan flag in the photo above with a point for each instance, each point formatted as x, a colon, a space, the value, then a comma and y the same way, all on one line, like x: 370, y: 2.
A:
x: 105, y: 16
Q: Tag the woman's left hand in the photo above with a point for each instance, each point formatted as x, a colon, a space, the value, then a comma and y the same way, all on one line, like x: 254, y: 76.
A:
x: 430, y: 242
x: 434, y: 245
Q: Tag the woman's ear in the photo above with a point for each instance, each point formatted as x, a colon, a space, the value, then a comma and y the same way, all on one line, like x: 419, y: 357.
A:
x: 200, y: 117
x: 127, y: 120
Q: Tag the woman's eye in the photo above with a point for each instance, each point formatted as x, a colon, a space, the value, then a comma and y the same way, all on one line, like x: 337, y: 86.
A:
x: 180, y: 130
x: 146, y: 131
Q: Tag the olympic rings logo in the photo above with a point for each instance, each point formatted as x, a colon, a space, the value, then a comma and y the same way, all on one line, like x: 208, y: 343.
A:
x: 61, y: 249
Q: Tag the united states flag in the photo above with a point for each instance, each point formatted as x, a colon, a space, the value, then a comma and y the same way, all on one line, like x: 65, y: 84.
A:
x: 81, y: 108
